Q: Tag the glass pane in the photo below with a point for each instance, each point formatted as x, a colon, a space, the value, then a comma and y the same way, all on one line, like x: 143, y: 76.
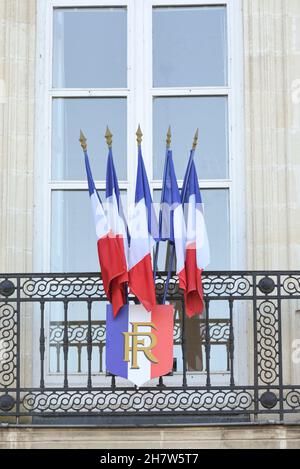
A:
x: 73, y: 237
x: 216, y: 208
x: 90, y: 48
x: 91, y: 115
x: 189, y: 46
x: 217, y: 218
x: 184, y: 115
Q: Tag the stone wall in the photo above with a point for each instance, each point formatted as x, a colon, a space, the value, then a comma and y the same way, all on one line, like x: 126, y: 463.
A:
x: 272, y: 104
x: 272, y: 146
x: 17, y: 114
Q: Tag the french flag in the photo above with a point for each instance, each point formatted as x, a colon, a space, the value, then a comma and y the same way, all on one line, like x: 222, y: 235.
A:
x: 172, y: 224
x: 117, y: 222
x: 159, y: 322
x: 110, y: 248
x: 197, y: 255
x: 143, y: 232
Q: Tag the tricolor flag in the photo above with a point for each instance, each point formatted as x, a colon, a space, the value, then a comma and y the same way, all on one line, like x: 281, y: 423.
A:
x: 143, y: 230
x: 117, y: 223
x: 172, y: 224
x: 197, y: 246
x: 139, y: 344
x: 110, y: 248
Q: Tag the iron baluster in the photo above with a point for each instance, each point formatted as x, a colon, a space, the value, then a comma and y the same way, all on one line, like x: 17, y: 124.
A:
x: 255, y: 348
x: 113, y: 382
x: 100, y: 358
x: 183, y: 346
x: 18, y: 338
x: 280, y: 372
x: 42, y: 344
x: 57, y: 358
x: 89, y: 345
x: 207, y: 343
x: 231, y: 342
x: 79, y: 350
x: 66, y: 344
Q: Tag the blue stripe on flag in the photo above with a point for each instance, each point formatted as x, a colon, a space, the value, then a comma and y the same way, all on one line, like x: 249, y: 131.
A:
x: 90, y: 179
x: 112, y: 184
x: 142, y: 191
x: 190, y: 182
x: 115, y: 341
x: 169, y: 200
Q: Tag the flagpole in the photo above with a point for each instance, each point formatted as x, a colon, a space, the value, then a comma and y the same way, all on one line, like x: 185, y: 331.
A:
x: 172, y: 254
x: 187, y: 174
x: 183, y: 330
x: 168, y: 146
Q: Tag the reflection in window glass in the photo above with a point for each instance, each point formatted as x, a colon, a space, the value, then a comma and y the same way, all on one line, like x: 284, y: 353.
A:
x: 78, y: 327
x: 90, y: 48
x: 189, y: 46
x: 91, y: 115
x: 184, y: 115
x: 73, y: 237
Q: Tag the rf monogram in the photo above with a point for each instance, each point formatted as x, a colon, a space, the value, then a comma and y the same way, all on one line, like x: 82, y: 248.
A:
x: 138, y: 344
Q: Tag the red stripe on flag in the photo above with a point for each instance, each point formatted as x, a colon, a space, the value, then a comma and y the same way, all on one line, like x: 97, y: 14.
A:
x: 162, y: 318
x: 193, y: 294
x: 113, y: 269
x: 141, y: 282
x: 182, y: 279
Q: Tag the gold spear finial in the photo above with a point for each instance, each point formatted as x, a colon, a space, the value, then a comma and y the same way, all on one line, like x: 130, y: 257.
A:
x: 169, y: 136
x: 108, y: 137
x: 139, y: 135
x: 83, y: 141
x: 195, y: 139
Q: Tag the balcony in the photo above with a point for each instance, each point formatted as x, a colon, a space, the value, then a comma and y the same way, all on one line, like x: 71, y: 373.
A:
x: 52, y: 359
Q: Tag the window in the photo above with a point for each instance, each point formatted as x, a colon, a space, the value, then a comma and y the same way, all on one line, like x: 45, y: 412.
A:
x: 121, y: 63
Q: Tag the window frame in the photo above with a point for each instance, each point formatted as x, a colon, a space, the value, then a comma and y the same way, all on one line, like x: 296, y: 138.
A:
x: 139, y: 94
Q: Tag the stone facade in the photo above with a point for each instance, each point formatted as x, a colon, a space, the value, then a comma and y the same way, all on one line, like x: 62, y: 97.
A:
x: 17, y: 126
x: 272, y: 98
x: 219, y: 437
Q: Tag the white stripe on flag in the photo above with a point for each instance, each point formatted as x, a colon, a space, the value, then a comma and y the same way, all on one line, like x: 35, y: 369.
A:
x: 202, y: 244
x: 102, y: 227
x: 196, y: 231
x: 189, y: 211
x: 141, y: 242
x: 115, y: 221
x: 180, y: 237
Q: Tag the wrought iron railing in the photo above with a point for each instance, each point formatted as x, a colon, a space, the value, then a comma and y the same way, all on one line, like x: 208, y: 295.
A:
x: 52, y: 349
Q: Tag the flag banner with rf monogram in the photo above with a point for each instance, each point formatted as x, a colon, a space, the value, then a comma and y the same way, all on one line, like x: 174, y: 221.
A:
x: 139, y: 343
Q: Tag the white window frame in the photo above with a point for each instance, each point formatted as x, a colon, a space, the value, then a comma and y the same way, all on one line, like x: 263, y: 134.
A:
x: 139, y: 94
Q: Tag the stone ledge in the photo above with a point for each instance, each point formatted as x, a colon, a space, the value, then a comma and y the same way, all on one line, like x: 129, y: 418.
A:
x: 245, y: 436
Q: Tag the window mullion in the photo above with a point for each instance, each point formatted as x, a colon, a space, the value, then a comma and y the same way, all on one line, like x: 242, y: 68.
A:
x: 131, y: 111
x: 165, y: 3
x: 82, y: 185
x: 191, y: 91
x: 89, y: 93
x: 203, y: 184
